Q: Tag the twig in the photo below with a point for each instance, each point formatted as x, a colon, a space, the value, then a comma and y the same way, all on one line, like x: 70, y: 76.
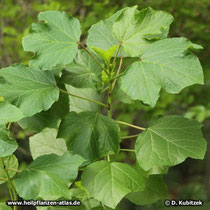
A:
x: 127, y: 150
x: 9, y: 125
x: 118, y: 49
x: 129, y: 137
x: 87, y: 99
x: 105, y: 89
x: 118, y: 72
x: 131, y: 125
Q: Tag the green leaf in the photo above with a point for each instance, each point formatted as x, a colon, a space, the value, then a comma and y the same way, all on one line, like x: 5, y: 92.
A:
x: 53, y: 39
x: 110, y: 182
x: 39, y: 121
x: 49, y: 118
x: 135, y: 29
x: 90, y: 134
x: 49, y: 177
x: 46, y: 143
x: 10, y: 162
x: 3, y: 206
x: 83, y: 72
x: 101, y: 36
x: 79, y: 105
x: 32, y: 90
x: 87, y: 201
x: 169, y: 141
x: 106, y: 55
x: 155, y: 189
x: 158, y: 170
x: 9, y: 113
x: 7, y: 145
x: 120, y: 95
x: 166, y: 64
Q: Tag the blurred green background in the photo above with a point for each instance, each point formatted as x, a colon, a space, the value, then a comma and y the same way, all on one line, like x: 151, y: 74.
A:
x: 189, y: 180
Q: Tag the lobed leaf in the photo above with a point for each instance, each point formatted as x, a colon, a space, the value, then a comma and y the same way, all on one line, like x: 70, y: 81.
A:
x: 30, y: 89
x: 46, y: 143
x: 49, y: 177
x: 169, y: 141
x: 118, y: 180
x: 166, y: 64
x: 131, y: 28
x: 90, y: 134
x: 49, y: 118
x: 100, y: 35
x: 54, y: 39
x: 137, y: 29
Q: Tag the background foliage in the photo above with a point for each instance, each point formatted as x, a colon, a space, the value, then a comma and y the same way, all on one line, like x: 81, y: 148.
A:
x: 190, y: 180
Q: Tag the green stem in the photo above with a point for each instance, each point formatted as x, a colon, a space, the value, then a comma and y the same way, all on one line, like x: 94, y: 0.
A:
x: 92, y: 56
x: 131, y: 125
x: 117, y: 76
x: 10, y: 192
x: 9, y: 125
x: 109, y: 110
x: 109, y: 106
x: 87, y: 99
x: 102, y: 205
x: 110, y: 101
x: 108, y: 158
x: 118, y: 73
x: 130, y: 137
x: 127, y: 150
x: 112, y: 80
x: 106, y: 88
x: 118, y: 49
x: 10, y: 183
